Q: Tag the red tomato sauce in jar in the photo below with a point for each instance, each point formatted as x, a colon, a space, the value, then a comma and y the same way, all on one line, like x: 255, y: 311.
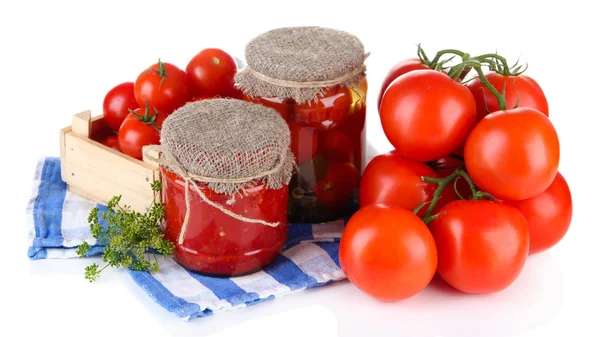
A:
x: 216, y: 243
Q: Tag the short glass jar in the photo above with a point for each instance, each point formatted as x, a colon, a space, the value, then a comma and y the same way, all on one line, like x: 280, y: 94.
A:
x: 215, y: 243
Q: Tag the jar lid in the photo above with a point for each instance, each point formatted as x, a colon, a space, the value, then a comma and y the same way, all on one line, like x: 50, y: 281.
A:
x: 228, y: 144
x: 300, y: 62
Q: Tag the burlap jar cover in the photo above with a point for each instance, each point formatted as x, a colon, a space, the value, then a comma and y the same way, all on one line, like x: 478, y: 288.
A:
x: 300, y: 62
x: 227, y: 145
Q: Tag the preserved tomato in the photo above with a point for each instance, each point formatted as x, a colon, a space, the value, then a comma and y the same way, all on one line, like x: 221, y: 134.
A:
x: 328, y: 140
x: 216, y: 243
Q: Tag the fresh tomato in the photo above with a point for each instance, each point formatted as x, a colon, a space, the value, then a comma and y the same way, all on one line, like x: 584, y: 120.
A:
x: 211, y: 72
x: 282, y: 105
x: 522, y: 89
x: 387, y: 252
x: 513, y: 154
x: 548, y: 215
x: 394, y: 180
x: 398, y: 70
x: 482, y: 245
x: 140, y: 128
x: 304, y: 142
x: 111, y: 141
x: 337, y: 145
x: 162, y: 86
x: 337, y: 185
x: 426, y: 115
x: 445, y: 167
x: 117, y: 103
x: 331, y: 109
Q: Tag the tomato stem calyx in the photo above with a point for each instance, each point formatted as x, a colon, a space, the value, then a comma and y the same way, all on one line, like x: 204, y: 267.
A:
x: 146, y: 118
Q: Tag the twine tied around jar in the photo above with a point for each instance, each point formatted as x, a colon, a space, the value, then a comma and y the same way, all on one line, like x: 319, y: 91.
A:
x: 228, y: 145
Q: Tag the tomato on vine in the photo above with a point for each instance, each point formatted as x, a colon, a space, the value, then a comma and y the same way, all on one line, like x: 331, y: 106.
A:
x: 548, y: 215
x: 482, y: 245
x: 513, y: 154
x: 387, y: 252
x: 399, y: 69
x: 521, y: 91
x: 427, y: 115
x: 394, y: 180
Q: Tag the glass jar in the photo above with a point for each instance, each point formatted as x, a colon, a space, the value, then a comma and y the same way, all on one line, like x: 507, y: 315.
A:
x: 328, y: 140
x: 216, y: 243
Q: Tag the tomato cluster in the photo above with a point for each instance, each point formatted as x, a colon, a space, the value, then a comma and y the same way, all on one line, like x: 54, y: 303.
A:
x: 472, y: 187
x: 134, y: 111
x: 327, y: 140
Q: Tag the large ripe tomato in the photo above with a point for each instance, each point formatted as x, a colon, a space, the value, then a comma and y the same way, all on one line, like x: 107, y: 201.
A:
x: 522, y: 88
x: 211, y: 72
x: 513, y: 154
x: 548, y: 215
x: 331, y: 109
x: 111, y: 141
x: 282, y: 105
x: 427, y: 115
x: 387, y: 252
x: 162, y: 86
x: 398, y: 70
x: 139, y: 129
x: 482, y: 245
x: 337, y: 185
x: 304, y: 142
x: 394, y: 180
x: 117, y: 103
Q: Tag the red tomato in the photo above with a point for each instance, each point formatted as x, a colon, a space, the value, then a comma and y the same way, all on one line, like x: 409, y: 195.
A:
x: 329, y: 111
x: 136, y: 132
x: 111, y: 141
x: 211, y: 73
x: 394, y: 180
x: 337, y: 145
x: 283, y: 106
x: 445, y: 167
x: 117, y: 103
x: 426, y: 115
x: 162, y: 85
x: 387, y: 252
x: 548, y: 215
x: 522, y: 88
x: 482, y: 245
x: 398, y: 70
x: 337, y: 185
x: 304, y: 142
x: 513, y: 154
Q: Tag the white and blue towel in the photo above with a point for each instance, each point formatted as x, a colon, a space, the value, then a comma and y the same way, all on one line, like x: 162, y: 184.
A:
x: 57, y: 223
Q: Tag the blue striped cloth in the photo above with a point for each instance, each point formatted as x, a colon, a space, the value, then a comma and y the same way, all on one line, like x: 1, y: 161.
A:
x: 57, y: 221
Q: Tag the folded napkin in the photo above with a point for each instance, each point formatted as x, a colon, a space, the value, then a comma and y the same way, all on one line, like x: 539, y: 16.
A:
x: 57, y: 223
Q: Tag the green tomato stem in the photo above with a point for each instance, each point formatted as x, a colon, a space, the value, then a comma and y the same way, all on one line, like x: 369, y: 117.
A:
x: 500, y: 97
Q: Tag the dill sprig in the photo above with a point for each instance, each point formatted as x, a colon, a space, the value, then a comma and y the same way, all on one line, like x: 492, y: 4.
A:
x: 130, y: 238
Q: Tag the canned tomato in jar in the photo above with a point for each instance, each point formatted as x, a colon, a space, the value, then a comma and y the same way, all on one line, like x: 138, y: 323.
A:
x: 315, y: 78
x: 226, y: 166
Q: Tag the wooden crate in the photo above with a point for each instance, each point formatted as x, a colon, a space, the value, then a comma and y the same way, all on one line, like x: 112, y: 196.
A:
x: 98, y: 172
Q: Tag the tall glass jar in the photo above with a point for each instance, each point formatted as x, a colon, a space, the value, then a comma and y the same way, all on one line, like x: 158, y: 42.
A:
x: 315, y: 78
x: 328, y: 141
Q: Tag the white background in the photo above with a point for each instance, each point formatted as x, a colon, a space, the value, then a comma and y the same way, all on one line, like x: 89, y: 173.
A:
x: 59, y: 58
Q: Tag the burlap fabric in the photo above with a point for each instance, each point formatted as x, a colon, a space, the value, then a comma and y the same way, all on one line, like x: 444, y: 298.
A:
x: 228, y: 145
x: 300, y: 62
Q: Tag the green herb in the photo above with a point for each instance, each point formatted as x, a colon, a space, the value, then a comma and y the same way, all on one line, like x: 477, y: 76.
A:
x: 129, y: 237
